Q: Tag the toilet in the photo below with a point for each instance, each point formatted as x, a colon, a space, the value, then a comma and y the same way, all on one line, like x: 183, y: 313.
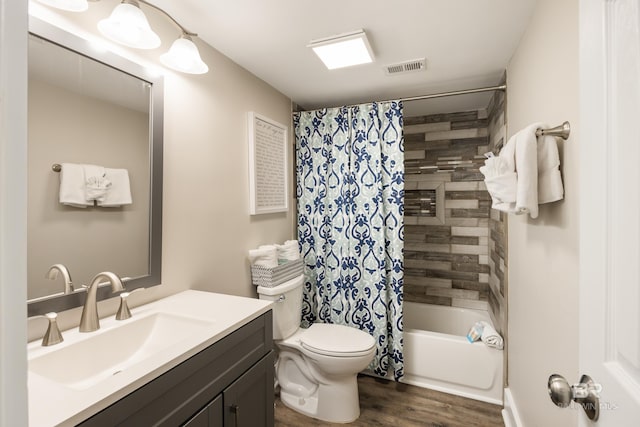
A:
x: 317, y: 367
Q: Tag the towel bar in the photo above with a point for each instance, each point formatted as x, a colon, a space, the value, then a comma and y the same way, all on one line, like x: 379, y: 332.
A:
x: 563, y: 131
x: 56, y: 167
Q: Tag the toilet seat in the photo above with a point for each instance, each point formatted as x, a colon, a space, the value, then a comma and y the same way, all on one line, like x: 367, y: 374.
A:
x: 336, y: 340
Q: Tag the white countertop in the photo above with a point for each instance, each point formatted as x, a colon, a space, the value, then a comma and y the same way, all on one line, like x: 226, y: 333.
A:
x: 54, y: 404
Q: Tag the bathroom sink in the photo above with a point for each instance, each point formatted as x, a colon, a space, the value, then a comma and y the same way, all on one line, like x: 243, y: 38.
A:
x: 71, y: 381
x: 102, y: 355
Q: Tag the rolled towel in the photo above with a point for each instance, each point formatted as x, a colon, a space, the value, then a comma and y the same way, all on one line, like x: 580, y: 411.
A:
x: 265, y: 256
x: 491, y: 337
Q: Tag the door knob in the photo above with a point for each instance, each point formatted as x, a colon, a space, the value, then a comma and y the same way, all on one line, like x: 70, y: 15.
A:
x: 585, y: 393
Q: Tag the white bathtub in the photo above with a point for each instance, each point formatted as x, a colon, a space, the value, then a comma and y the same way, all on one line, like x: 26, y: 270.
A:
x: 438, y: 356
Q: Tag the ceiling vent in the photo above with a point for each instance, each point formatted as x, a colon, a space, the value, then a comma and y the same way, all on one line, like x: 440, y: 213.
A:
x: 406, y: 67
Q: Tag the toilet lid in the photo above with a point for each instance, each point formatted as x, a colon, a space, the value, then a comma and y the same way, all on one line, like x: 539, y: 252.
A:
x: 336, y: 340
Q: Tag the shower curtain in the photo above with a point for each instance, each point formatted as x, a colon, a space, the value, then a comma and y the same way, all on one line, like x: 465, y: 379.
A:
x: 350, y: 190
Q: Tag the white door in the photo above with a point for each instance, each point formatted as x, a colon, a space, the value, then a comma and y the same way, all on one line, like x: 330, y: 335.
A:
x: 610, y: 207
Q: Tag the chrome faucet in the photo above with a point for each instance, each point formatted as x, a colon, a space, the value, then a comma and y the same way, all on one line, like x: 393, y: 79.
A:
x: 89, y: 320
x: 52, y: 274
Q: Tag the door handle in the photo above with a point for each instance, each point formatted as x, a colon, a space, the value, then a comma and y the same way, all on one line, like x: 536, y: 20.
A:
x: 585, y: 393
x: 236, y: 412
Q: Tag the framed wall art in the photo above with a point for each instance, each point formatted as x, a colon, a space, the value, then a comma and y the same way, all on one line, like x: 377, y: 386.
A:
x: 267, y: 165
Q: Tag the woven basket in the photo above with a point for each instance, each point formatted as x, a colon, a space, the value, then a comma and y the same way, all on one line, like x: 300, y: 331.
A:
x: 271, y: 277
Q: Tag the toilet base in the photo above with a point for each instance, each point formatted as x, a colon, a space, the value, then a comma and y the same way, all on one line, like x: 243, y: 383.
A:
x: 335, y: 403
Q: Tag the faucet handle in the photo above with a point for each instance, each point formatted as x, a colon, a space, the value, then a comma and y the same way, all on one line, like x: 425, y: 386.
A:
x: 123, y: 311
x: 53, y: 335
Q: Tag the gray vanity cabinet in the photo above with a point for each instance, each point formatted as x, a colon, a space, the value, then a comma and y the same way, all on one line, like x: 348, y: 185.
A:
x: 210, y: 415
x: 229, y: 384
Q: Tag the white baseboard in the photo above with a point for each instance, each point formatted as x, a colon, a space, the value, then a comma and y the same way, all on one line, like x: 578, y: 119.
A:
x: 510, y: 413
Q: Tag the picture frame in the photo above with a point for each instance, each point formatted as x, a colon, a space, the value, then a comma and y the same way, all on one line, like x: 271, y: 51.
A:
x: 268, y: 174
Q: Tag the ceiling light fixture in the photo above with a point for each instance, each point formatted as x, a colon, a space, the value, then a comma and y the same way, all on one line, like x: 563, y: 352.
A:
x: 343, y: 50
x: 184, y: 56
x: 128, y: 26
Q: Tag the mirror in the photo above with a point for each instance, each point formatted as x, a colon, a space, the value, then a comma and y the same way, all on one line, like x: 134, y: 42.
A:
x: 90, y: 107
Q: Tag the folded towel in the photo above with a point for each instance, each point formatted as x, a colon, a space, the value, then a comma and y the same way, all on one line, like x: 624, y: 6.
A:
x: 96, y: 183
x: 72, y: 186
x: 265, y: 256
x: 550, y: 187
x: 288, y: 251
x: 527, y: 170
x: 120, y: 191
x: 491, y: 337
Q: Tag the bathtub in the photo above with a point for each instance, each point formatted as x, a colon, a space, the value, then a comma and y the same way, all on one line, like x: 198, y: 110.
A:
x: 438, y: 356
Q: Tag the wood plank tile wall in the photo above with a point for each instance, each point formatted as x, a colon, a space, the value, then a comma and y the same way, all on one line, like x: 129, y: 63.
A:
x: 452, y: 259
x: 498, y: 226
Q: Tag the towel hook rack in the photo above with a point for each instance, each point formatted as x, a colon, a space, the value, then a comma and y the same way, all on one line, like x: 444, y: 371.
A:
x: 563, y: 131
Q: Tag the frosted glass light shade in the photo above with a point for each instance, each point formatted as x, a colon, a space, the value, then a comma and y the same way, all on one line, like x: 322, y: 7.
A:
x: 184, y: 56
x: 128, y: 26
x: 70, y: 5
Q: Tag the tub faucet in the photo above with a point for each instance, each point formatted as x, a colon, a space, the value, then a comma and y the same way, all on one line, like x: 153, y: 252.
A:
x: 89, y: 320
x: 52, y: 274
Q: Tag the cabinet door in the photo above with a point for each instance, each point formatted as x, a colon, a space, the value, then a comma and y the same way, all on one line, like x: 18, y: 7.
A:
x: 210, y: 416
x: 248, y: 402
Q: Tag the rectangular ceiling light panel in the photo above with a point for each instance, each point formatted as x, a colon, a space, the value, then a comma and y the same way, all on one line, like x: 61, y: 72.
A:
x: 343, y: 50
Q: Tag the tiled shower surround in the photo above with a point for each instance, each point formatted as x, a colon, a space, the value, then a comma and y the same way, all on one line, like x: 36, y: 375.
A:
x: 455, y: 244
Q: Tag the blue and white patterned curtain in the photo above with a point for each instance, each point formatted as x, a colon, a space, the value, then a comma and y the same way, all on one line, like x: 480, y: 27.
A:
x: 350, y: 189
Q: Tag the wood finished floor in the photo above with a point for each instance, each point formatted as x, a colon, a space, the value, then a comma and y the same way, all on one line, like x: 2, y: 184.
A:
x: 387, y: 403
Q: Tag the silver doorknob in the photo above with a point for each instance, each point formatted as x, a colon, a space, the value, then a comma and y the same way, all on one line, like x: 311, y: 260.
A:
x: 585, y: 393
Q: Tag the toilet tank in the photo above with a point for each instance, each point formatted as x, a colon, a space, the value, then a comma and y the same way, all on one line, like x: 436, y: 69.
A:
x: 287, y: 307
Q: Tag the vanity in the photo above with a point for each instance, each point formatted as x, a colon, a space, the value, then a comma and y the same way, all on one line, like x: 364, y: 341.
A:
x: 194, y: 358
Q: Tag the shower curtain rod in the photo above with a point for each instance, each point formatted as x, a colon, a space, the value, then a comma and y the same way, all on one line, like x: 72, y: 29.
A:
x: 443, y: 94
x: 453, y: 93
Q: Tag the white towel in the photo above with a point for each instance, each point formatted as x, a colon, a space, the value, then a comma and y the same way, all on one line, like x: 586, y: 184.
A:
x: 120, y: 191
x: 500, y: 178
x: 491, y: 337
x: 550, y: 187
x: 527, y: 170
x: 97, y: 185
x: 265, y: 256
x: 72, y: 186
x: 529, y: 166
x: 288, y: 251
